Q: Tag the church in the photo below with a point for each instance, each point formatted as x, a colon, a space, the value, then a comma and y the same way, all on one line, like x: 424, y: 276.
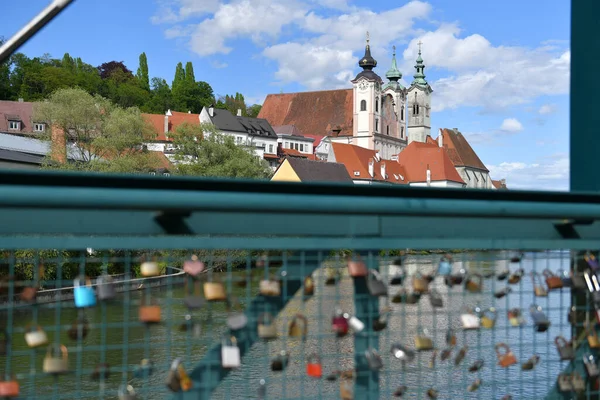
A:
x: 383, y: 117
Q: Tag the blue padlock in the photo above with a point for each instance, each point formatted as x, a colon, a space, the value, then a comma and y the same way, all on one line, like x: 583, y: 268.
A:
x: 444, y: 267
x: 84, y: 294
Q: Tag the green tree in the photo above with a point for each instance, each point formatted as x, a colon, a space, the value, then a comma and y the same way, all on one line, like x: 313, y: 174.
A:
x: 5, y: 87
x: 189, y: 73
x: 179, y: 76
x: 253, y: 110
x: 68, y: 63
x: 142, y: 72
x: 106, y: 137
x: 201, y: 150
x: 161, y: 99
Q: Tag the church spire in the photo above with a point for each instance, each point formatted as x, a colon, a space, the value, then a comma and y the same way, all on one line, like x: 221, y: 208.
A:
x: 420, y: 67
x: 394, y: 75
x: 367, y: 62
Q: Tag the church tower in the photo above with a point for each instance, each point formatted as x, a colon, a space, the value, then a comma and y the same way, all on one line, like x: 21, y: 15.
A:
x: 394, y: 103
x: 367, y: 101
x: 419, y: 104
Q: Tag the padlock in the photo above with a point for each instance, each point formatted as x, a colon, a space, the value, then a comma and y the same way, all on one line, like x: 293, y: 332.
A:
x: 149, y: 313
x: 126, y: 392
x: 502, y: 292
x: 398, y: 278
x: 9, y: 388
x: 565, y: 382
x: 502, y: 275
x: 428, y: 277
x: 230, y: 353
x: 444, y: 267
x: 313, y: 366
x: 460, y: 355
x: 507, y: 397
x: 565, y: 277
x: 564, y: 348
x: 538, y: 287
x: 309, y: 286
x: 262, y: 389
x: 474, y: 283
x: 149, y: 268
x: 488, y: 318
x: 374, y: 360
x: 400, y: 391
x: 280, y: 362
x: 450, y: 337
x: 177, y: 379
x: 422, y: 340
x: 266, y: 326
x: 339, y: 323
x: 193, y: 266
x: 476, y: 366
x: 578, y: 382
x: 517, y: 257
x: 402, y: 353
x: 270, y: 287
x: 28, y: 294
x: 572, y: 315
x: 298, y: 326
x: 531, y: 363
x: 375, y: 284
x: 381, y: 323
x: 236, y: 320
x: 540, y: 321
x: 506, y: 358
x: 404, y: 296
x: 106, y: 287
x: 55, y: 363
x: 516, y: 276
x: 419, y: 283
x: 4, y: 341
x: 592, y: 284
x: 578, y: 281
x: 144, y: 369
x: 101, y: 372
x: 432, y: 393
x: 591, y: 365
x: 552, y: 281
x: 592, y: 338
x: 346, y: 390
x: 356, y: 324
x: 469, y: 320
x: 474, y: 386
x: 435, y: 298
x: 357, y: 268
x: 79, y: 329
x: 35, y: 336
x: 331, y: 276
x: 84, y: 295
x: 446, y: 353
x: 194, y: 301
x: 591, y: 260
x: 515, y: 317
x: 457, y: 278
x: 214, y: 291
x: 190, y: 325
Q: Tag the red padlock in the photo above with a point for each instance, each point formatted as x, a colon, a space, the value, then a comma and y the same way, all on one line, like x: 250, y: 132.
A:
x: 313, y: 366
x: 340, y: 323
x: 9, y: 389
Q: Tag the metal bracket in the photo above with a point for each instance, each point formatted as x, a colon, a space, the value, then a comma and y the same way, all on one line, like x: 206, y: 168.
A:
x: 566, y: 228
x: 173, y: 222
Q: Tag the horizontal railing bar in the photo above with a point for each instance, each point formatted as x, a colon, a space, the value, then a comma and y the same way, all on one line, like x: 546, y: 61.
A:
x: 163, y: 200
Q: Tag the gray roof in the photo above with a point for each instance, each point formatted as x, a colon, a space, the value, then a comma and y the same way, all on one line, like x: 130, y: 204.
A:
x: 17, y: 156
x: 319, y: 171
x: 28, y: 145
x: 226, y: 121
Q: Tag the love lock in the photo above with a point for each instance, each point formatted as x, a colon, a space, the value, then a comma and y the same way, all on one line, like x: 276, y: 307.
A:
x: 591, y: 365
x: 280, y: 362
x: 404, y: 296
x: 516, y: 276
x: 435, y: 298
x: 374, y: 360
x: 552, y: 281
x: 578, y: 382
x: 190, y: 325
x: 375, y: 284
x: 400, y: 391
x: 540, y: 321
x: 538, y: 287
x: 101, y: 372
x: 565, y: 349
x: 126, y: 392
x: 461, y: 355
x: 309, y: 286
x: 214, y: 291
x: 357, y: 268
x: 106, y: 287
x: 565, y: 277
x: 446, y: 353
x: 419, y: 283
x: 194, y: 301
x: 79, y: 329
x: 266, y: 326
x: 313, y: 366
x: 149, y: 313
x: 444, y: 267
x: 502, y: 292
x: 565, y: 382
x: 339, y: 323
x: 592, y: 337
x: 488, y: 318
x: 474, y: 283
x: 236, y: 320
x: 476, y: 366
x: 298, y: 326
x: 450, y: 337
x: 505, y: 358
x: 502, y: 275
x: 457, y: 278
x: 270, y: 287
x: 9, y: 388
x: 515, y: 317
x: 422, y: 341
x: 149, y: 268
x: 55, y: 363
x: 381, y: 323
x: 402, y: 353
x: 469, y: 320
x: 177, y: 379
x: 193, y: 266
x: 230, y: 353
x: 356, y: 324
x: 35, y: 336
x: 531, y: 363
x: 432, y: 393
x: 144, y: 369
x: 84, y: 295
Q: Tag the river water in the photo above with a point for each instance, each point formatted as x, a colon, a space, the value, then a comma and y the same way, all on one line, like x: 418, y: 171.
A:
x: 162, y: 343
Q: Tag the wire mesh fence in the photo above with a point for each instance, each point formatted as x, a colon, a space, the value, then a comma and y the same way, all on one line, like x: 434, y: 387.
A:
x: 297, y: 324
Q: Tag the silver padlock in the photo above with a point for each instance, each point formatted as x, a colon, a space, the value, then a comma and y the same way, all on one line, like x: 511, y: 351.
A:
x: 356, y: 324
x: 470, y: 320
x: 105, y: 287
x: 126, y: 392
x: 230, y: 353
x: 373, y: 359
x: 591, y: 365
x: 35, y: 336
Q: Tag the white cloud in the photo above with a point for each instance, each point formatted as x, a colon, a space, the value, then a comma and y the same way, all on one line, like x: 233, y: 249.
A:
x: 547, y: 173
x: 218, y: 64
x: 511, y: 125
x: 547, y: 109
x: 179, y: 10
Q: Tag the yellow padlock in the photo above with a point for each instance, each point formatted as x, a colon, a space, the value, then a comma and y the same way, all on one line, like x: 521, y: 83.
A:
x: 488, y: 318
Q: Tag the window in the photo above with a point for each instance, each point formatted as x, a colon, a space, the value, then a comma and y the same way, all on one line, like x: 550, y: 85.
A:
x: 427, y: 110
x: 14, y: 125
x: 363, y: 105
x: 38, y: 127
x: 270, y: 148
x: 387, y: 128
x: 376, y: 125
x: 287, y: 145
x: 376, y: 105
x: 238, y: 139
x: 401, y: 131
x: 301, y: 147
x: 402, y: 114
x: 296, y: 146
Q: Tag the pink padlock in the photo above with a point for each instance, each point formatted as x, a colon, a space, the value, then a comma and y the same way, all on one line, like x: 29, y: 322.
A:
x: 340, y: 323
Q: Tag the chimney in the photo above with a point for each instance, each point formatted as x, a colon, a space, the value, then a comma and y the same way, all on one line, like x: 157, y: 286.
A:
x: 189, y: 112
x: 371, y: 167
x: 239, y: 112
x: 503, y: 182
x: 428, y: 176
x: 167, y: 115
x: 441, y: 138
x: 383, y: 170
x: 211, y: 110
x: 20, y: 99
x: 58, y: 146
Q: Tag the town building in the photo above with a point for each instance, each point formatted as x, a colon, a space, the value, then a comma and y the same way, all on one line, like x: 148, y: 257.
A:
x: 295, y: 169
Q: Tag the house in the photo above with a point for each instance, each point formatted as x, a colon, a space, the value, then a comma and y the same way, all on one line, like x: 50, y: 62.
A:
x: 290, y: 137
x: 16, y: 118
x: 500, y: 184
x: 294, y: 169
x: 165, y: 127
x: 429, y: 165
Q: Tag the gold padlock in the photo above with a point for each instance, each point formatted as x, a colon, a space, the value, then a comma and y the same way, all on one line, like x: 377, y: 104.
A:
x: 420, y: 284
x: 538, y: 286
x: 423, y: 341
x: 54, y: 364
x: 270, y: 287
x: 488, y: 318
x: 474, y: 283
x: 149, y: 313
x: 214, y: 291
x: 298, y: 326
x: 266, y: 326
x: 309, y: 286
x: 592, y: 338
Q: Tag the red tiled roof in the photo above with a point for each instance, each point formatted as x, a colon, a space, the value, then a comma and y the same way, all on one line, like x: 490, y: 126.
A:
x: 499, y: 184
x: 317, y: 140
x: 313, y: 113
x: 417, y: 156
x: 162, y: 159
x: 14, y: 109
x: 460, y: 151
x: 356, y: 159
x: 271, y: 156
x: 178, y: 118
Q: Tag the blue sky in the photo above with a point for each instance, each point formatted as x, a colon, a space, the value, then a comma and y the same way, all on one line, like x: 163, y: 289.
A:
x: 499, y: 70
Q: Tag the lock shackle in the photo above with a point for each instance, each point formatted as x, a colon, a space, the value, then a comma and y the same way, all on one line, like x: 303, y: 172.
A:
x: 126, y: 390
x: 313, y: 358
x: 421, y: 331
x: 548, y: 274
x: 85, y: 278
x: 589, y: 358
x: 62, y: 350
x: 560, y: 341
x: 32, y: 328
x: 294, y: 322
x: 266, y: 318
x: 373, y: 274
x: 175, y: 364
x: 536, y: 278
x: 503, y: 346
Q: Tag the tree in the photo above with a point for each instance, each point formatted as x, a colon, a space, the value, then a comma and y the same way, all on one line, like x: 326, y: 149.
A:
x: 189, y: 73
x: 68, y: 63
x: 161, y: 99
x: 108, y: 69
x: 201, y: 150
x: 5, y: 88
x: 179, y: 76
x: 142, y: 72
x: 105, y: 137
x: 253, y: 110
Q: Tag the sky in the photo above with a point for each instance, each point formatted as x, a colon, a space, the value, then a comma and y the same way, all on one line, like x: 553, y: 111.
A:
x: 499, y: 70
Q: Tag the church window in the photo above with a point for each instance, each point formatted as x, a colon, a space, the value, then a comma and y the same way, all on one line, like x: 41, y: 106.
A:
x: 402, y: 132
x: 376, y: 105
x: 363, y: 105
x: 402, y: 114
x: 387, y: 128
x: 376, y: 125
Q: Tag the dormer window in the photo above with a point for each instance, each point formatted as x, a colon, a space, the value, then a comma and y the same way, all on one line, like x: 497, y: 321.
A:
x: 14, y: 125
x: 37, y: 127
